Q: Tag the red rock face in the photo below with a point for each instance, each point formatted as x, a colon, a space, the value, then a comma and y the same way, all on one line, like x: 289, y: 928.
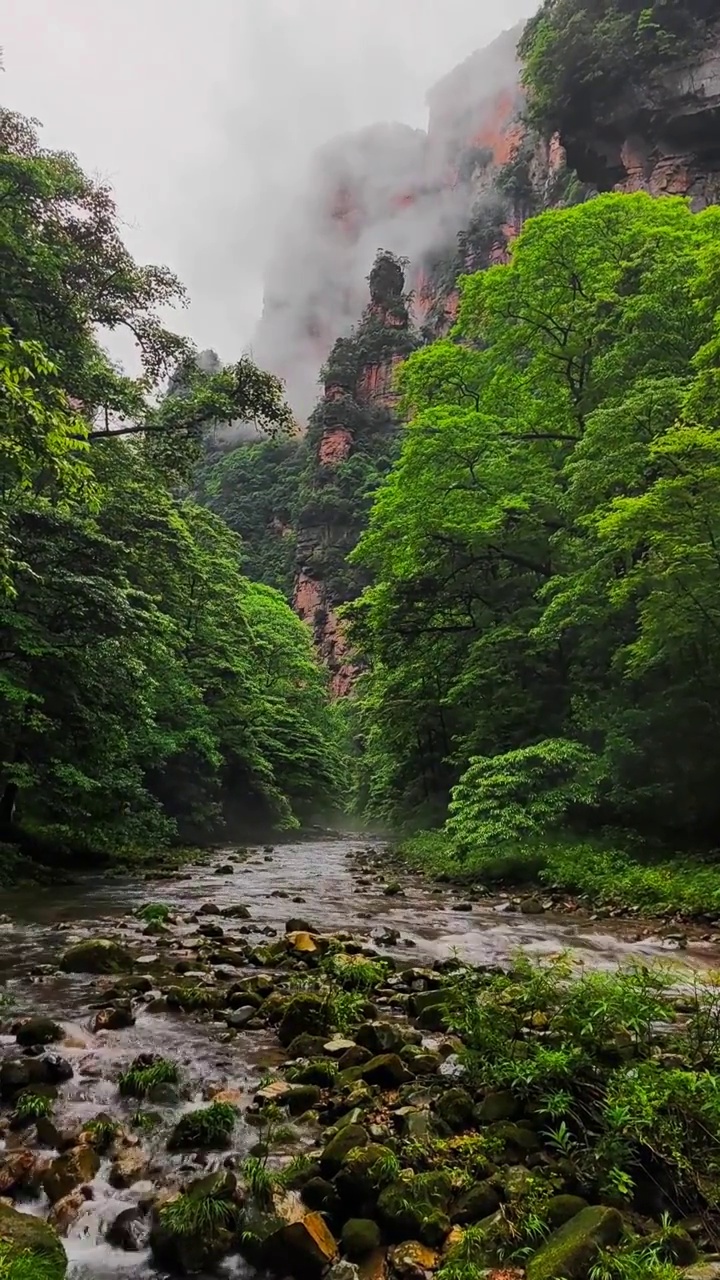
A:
x: 376, y: 385
x: 311, y: 604
x: 335, y: 446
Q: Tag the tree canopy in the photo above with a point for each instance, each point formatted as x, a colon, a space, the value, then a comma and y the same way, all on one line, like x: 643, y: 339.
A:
x: 544, y: 613
x: 147, y: 687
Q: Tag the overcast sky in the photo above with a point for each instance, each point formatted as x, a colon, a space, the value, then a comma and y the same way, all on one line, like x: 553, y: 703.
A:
x: 202, y: 113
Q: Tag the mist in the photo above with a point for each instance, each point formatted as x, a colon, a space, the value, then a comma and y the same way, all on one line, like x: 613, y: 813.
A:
x: 205, y: 117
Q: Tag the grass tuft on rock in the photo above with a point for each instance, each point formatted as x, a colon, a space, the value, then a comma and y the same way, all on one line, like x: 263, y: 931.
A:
x: 139, y: 1079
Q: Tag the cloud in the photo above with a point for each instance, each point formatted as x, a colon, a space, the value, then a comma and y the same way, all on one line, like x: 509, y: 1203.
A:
x: 204, y: 116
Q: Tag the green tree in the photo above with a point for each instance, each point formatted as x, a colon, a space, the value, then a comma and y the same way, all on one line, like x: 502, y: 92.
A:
x: 538, y: 550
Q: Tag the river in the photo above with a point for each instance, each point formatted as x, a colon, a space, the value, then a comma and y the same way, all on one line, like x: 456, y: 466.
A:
x: 324, y: 881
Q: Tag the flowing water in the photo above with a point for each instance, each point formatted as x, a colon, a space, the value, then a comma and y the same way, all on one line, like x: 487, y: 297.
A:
x: 323, y: 881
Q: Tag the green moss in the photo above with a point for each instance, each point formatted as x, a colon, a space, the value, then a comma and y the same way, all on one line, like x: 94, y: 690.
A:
x: 208, y: 1127
x: 571, y: 1250
x: 29, y: 1248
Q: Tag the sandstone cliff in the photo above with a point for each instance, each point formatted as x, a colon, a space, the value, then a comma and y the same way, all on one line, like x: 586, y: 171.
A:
x: 350, y: 444
x: 450, y: 201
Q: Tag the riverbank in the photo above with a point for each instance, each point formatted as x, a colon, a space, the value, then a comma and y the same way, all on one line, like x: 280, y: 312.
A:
x: 597, y: 874
x: 264, y: 1081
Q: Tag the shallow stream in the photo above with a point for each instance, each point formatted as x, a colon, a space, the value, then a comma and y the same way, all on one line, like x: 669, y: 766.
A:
x: 322, y: 881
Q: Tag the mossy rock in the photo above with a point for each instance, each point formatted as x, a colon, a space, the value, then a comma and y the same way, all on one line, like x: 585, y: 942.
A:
x: 97, y: 955
x: 359, y: 1180
x: 28, y: 1240
x: 189, y: 1252
x: 422, y: 1000
x: 306, y: 1046
x: 38, y: 1031
x: 386, y: 1070
x: 520, y: 1140
x: 416, y: 1207
x: 338, y: 1148
x: 380, y: 1037
x: 422, y: 1062
x: 320, y: 1071
x: 571, y: 1250
x: 302, y: 1098
x: 207, y: 1128
x: 561, y: 1208
x: 456, y: 1108
x: 318, y: 1193
x: 360, y: 1236
x: 500, y: 1105
x: 69, y: 1171
x: 304, y: 1013
x: 478, y: 1202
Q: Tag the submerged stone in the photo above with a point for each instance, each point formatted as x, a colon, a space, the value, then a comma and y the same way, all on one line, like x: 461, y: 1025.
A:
x: 97, y: 955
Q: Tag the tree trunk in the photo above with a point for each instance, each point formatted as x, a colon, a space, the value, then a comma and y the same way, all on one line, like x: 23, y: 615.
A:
x: 8, y: 801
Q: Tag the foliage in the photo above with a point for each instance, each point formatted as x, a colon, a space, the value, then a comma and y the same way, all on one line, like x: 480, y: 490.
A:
x: 356, y: 972
x: 581, y: 56
x: 582, y: 1051
x: 544, y: 594
x: 26, y: 1265
x: 32, y: 1106
x: 208, y: 1127
x: 138, y: 1080
x: 519, y: 794
x: 148, y: 690
x: 154, y: 912
x: 609, y: 871
x: 199, y: 1216
x: 253, y: 486
x: 102, y: 1130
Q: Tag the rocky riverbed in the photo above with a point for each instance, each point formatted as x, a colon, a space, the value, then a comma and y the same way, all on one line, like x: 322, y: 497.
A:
x: 110, y: 979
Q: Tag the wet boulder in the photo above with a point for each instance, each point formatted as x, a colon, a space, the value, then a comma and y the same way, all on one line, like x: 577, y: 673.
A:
x: 65, y: 1213
x: 456, y: 1109
x: 290, y: 1240
x: 318, y: 1193
x: 238, y: 911
x: 34, y: 1241
x: 297, y: 925
x: 129, y: 1166
x: 304, y: 1013
x: 532, y: 907
x: 130, y: 1230
x: 23, y: 1073
x: 306, y: 1046
x: 70, y: 1170
x: 21, y: 1171
x: 185, y: 1237
x: 97, y: 955
x: 239, y: 1018
x: 301, y: 1098
x: 38, y: 1031
x: 571, y: 1250
x: 114, y: 1018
